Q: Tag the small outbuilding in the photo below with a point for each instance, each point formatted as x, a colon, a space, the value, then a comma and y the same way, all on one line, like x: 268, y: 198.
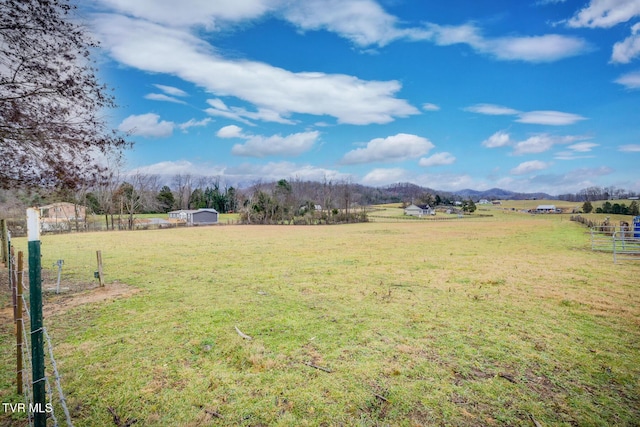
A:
x: 546, y: 209
x: 196, y: 217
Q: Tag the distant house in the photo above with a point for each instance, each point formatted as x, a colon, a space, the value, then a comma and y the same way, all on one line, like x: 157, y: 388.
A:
x: 419, y: 210
x: 195, y: 217
x: 62, y: 211
x: 546, y: 209
x: 484, y: 202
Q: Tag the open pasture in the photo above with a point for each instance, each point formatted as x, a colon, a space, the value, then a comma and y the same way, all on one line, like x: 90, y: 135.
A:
x: 471, y: 322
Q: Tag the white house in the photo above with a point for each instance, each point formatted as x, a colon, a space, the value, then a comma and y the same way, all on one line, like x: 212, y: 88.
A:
x: 415, y: 210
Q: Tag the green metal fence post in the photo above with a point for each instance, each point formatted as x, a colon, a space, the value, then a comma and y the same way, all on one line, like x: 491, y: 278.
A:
x: 35, y: 298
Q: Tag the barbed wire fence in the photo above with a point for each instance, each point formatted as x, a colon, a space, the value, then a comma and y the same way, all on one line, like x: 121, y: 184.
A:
x: 24, y: 372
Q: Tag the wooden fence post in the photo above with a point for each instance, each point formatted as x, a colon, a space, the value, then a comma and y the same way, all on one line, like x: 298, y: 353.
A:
x: 5, y: 241
x: 99, y: 258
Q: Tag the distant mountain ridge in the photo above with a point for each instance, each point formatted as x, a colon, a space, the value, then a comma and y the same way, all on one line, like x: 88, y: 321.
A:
x: 500, y: 194
x: 406, y: 191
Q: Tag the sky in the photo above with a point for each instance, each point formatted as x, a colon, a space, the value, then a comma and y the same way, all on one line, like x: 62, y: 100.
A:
x: 527, y: 95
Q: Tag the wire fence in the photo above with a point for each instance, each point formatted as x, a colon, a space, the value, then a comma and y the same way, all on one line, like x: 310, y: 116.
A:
x: 24, y: 376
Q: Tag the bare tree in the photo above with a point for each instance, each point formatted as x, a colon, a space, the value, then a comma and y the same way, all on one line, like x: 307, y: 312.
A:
x: 136, y: 195
x: 182, y: 186
x: 52, y: 105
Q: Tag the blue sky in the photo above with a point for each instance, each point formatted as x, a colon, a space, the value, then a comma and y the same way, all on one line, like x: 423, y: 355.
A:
x: 527, y: 95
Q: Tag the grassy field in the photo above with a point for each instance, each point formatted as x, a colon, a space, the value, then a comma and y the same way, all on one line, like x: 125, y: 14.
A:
x: 491, y: 321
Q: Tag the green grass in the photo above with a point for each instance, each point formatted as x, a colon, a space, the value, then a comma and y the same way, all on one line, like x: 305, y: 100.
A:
x: 474, y: 322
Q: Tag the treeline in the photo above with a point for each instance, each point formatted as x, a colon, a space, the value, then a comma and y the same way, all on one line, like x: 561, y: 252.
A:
x: 592, y: 194
x: 613, y: 208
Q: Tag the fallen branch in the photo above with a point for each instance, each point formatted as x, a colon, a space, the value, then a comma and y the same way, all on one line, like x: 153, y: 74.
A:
x: 508, y: 378
x: 384, y: 399
x: 118, y: 422
x: 242, y: 334
x: 327, y: 370
x: 213, y: 413
x: 534, y: 421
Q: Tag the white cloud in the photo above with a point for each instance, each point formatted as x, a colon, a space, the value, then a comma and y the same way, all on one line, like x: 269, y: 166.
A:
x: 244, y: 174
x: 528, y: 167
x: 170, y: 90
x: 582, y: 147
x: 194, y: 123
x: 219, y: 108
x: 491, y: 110
x: 630, y: 80
x: 498, y: 139
x: 552, y: 118
x: 192, y: 12
x: 543, y: 142
x: 290, y: 145
x: 605, y: 13
x: 437, y: 159
x: 163, y: 97
x: 231, y: 131
x: 545, y: 2
x: 176, y: 167
x: 385, y: 176
x: 363, y: 22
x: 277, y: 93
x: 629, y: 148
x: 629, y: 48
x: 548, y: 117
x: 430, y: 107
x: 393, y: 148
x: 147, y: 125
x: 248, y: 173
x: 544, y: 48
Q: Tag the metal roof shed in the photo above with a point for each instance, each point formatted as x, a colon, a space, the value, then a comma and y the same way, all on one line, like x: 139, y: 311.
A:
x: 202, y: 217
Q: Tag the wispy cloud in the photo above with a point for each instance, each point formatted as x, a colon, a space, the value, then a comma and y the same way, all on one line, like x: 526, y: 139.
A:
x: 498, y: 139
x: 163, y: 97
x: 543, y: 48
x: 529, y: 167
x: 629, y: 148
x: 543, y: 117
x: 146, y: 125
x: 630, y: 80
x: 430, y: 107
x: 542, y: 142
x: 194, y: 123
x: 438, y: 159
x: 393, y: 148
x: 277, y: 93
x: 605, y: 13
x: 276, y: 145
x: 170, y: 90
x: 491, y: 110
x: 383, y: 176
x: 626, y: 50
x: 553, y: 118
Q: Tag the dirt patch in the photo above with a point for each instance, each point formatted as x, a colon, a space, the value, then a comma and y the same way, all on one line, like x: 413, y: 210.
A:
x: 54, y: 304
